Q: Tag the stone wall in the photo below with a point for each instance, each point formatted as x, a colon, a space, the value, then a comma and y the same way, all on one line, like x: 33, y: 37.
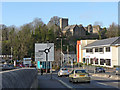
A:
x: 20, y: 78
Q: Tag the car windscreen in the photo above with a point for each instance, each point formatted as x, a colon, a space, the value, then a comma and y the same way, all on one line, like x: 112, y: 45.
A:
x: 80, y: 71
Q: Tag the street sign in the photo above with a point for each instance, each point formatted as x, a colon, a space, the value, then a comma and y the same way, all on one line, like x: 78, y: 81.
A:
x: 40, y: 49
x: 27, y: 61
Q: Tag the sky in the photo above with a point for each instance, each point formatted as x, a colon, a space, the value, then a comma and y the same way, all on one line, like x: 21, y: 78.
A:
x: 85, y: 13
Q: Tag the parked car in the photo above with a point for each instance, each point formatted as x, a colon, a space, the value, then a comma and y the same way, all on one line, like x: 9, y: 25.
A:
x: 20, y: 65
x: 63, y: 72
x: 100, y: 69
x: 79, y: 76
x: 117, y: 71
x: 33, y: 65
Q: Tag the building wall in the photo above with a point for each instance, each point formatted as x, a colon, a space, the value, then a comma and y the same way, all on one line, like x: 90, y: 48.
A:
x: 119, y: 56
x: 79, y: 31
x: 114, y: 55
x: 80, y: 45
x: 99, y: 55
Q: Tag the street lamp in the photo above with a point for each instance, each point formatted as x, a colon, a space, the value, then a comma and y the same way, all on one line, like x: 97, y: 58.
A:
x: 61, y: 48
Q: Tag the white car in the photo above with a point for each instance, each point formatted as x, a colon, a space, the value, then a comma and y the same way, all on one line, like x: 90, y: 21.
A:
x: 63, y: 72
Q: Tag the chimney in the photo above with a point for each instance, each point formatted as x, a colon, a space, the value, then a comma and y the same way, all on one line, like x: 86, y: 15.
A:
x: 63, y: 23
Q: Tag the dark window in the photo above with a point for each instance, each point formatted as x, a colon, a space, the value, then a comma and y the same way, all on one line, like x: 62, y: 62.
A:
x: 91, y: 50
x: 83, y: 60
x: 100, y: 49
x: 102, y: 61
x: 107, y: 49
x: 108, y: 62
x: 96, y: 49
x: 91, y: 61
x: 96, y: 61
x: 87, y: 50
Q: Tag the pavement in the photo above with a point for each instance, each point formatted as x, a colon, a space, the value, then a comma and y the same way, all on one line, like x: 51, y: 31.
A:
x: 115, y: 77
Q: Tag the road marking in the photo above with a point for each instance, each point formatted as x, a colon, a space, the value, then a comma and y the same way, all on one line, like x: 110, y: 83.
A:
x: 65, y: 84
x: 102, y: 83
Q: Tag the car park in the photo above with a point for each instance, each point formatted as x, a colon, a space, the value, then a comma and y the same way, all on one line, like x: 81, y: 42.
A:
x: 79, y: 76
x: 63, y: 72
x: 100, y: 69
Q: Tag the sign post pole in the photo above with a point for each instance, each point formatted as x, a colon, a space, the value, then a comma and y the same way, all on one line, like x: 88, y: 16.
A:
x: 51, y: 69
x: 46, y: 62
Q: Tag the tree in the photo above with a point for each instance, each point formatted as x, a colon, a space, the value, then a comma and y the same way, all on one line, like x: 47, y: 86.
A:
x: 112, y: 31
x: 54, y: 21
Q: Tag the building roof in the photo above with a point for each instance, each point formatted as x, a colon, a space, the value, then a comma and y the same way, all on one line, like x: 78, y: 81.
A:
x: 104, y: 42
x: 69, y: 27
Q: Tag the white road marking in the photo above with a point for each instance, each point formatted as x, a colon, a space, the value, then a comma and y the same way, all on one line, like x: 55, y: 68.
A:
x: 65, y: 84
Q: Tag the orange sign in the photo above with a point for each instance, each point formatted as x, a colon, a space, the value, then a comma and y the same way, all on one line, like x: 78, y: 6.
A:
x: 78, y: 43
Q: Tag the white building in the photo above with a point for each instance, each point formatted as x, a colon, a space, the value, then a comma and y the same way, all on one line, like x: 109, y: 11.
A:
x: 104, y: 52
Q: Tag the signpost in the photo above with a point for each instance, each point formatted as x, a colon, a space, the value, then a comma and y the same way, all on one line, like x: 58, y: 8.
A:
x: 44, y: 52
x: 27, y: 61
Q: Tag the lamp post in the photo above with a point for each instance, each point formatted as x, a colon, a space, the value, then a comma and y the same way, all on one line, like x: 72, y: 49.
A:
x: 11, y: 54
x: 61, y: 52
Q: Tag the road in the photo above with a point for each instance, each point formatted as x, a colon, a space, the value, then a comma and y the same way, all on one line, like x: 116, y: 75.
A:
x: 96, y: 82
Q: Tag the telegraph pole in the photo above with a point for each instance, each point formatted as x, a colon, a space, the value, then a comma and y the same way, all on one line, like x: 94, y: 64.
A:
x: 61, y: 52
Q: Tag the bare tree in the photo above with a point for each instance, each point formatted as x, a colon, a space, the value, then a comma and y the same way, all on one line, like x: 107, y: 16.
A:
x: 54, y: 21
x: 112, y: 31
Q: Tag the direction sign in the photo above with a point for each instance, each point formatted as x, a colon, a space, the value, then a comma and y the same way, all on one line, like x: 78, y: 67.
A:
x: 40, y: 54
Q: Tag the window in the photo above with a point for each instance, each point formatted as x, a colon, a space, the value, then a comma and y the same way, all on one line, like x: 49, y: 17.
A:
x: 83, y: 60
x: 96, y: 49
x: 89, y: 50
x: 108, y: 62
x: 107, y: 49
x: 87, y: 60
x: 96, y: 61
x: 91, y: 61
x: 102, y: 61
x: 100, y: 49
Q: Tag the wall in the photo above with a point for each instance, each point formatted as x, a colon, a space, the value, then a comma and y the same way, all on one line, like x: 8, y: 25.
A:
x: 20, y: 78
x: 82, y: 44
x: 104, y: 55
x: 114, y: 55
x: 119, y: 55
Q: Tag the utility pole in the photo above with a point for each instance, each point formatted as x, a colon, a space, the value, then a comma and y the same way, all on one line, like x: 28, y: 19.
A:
x: 61, y: 52
x: 67, y: 53
x: 11, y: 54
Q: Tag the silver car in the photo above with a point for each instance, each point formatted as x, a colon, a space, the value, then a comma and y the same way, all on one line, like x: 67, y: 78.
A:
x: 63, y: 72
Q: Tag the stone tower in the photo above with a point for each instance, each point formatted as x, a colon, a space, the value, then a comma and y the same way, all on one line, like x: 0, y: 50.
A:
x: 63, y: 23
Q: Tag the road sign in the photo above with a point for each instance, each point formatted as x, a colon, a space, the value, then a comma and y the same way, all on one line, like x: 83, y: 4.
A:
x: 41, y: 48
x: 27, y: 61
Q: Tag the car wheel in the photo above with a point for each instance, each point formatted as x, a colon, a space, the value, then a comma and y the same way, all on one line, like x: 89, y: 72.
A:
x: 58, y: 75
